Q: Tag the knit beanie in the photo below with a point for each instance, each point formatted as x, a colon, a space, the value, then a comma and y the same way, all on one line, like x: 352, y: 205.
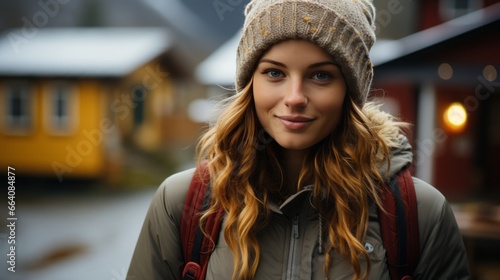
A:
x: 344, y: 28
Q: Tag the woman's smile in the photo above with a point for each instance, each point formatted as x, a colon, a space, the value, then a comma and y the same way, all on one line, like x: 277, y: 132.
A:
x: 295, y: 122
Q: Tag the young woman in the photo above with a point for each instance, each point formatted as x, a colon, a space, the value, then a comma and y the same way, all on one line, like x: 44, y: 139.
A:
x: 297, y: 160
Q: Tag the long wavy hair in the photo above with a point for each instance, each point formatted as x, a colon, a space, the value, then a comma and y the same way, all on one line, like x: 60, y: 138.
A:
x: 246, y: 175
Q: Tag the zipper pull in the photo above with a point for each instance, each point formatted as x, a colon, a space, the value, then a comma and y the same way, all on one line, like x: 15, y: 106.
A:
x: 295, y: 227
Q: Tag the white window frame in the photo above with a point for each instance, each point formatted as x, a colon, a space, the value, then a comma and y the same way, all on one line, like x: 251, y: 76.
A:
x: 54, y: 123
x: 24, y: 123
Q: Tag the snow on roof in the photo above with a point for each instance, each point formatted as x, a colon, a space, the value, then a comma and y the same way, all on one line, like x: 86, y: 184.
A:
x: 387, y: 51
x: 111, y: 52
x: 219, y: 68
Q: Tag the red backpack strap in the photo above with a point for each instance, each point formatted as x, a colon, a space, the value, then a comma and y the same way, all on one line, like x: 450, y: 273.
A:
x: 405, y: 181
x: 196, y: 246
x: 399, y: 226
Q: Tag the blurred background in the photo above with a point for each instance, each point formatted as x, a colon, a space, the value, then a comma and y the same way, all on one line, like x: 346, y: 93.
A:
x: 102, y: 100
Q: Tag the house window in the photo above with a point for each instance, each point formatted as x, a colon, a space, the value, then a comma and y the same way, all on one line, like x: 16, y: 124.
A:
x: 60, y: 109
x: 18, y: 108
x: 454, y: 8
x: 138, y: 96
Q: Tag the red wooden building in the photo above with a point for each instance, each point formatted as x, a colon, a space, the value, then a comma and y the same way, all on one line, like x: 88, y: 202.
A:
x: 454, y: 62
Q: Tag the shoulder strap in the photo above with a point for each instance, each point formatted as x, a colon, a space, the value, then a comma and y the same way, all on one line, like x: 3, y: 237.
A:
x: 196, y: 246
x: 399, y: 226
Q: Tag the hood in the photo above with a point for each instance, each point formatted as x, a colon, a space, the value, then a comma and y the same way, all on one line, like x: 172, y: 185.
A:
x: 400, y: 157
x: 389, y: 130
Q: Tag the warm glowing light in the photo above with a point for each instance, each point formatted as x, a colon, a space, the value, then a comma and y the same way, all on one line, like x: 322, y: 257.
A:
x: 445, y: 71
x: 490, y: 73
x: 455, y: 116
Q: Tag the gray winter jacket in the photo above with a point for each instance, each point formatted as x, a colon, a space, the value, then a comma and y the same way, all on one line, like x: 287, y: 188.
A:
x: 284, y: 255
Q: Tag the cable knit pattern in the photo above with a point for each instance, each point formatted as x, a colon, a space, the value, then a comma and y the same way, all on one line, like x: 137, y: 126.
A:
x: 344, y: 28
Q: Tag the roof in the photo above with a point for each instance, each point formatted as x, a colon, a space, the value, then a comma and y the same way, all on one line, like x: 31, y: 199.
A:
x: 388, y: 51
x: 103, y: 52
x: 219, y: 68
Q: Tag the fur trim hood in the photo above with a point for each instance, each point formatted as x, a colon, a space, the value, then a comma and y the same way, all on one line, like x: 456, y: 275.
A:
x: 389, y: 130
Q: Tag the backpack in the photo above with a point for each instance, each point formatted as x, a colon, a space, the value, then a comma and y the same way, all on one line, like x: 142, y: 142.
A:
x: 398, y: 226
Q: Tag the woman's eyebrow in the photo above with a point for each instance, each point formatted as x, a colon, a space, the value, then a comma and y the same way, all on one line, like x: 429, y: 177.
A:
x: 272, y: 62
x: 314, y: 65
x: 319, y: 64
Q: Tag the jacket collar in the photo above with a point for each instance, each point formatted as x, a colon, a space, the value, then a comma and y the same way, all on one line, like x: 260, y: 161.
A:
x: 293, y: 204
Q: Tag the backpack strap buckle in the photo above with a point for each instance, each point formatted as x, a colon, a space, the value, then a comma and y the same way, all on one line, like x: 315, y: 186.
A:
x: 192, y: 271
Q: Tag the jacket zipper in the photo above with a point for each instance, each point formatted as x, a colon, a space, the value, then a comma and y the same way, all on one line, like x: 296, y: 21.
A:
x: 292, y: 258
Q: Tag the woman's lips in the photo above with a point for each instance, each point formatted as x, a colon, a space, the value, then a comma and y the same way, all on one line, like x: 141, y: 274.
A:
x: 295, y: 122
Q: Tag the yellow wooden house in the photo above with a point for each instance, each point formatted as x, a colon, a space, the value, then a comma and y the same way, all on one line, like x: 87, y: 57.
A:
x: 70, y: 98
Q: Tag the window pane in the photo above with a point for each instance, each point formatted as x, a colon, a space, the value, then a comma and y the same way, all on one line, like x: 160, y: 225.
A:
x: 462, y: 5
x: 60, y: 107
x: 16, y: 104
x: 139, y: 94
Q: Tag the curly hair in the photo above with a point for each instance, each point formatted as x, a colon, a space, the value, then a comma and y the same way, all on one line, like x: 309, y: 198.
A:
x: 243, y: 164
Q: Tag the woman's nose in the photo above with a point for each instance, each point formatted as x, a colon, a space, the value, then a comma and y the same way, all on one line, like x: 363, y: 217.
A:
x: 295, y: 95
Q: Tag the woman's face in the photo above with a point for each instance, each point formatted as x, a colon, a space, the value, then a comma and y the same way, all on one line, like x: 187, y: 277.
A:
x: 298, y: 91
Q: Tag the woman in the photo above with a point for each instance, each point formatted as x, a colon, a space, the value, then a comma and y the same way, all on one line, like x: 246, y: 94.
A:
x: 297, y: 160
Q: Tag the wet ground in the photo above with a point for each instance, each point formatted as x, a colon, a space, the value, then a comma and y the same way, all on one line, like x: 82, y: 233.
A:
x: 74, y: 236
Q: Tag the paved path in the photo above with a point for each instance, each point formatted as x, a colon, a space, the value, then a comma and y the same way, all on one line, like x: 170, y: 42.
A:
x: 75, y: 237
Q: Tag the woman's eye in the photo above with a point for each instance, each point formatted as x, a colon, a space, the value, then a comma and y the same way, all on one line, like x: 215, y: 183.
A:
x: 274, y: 73
x: 321, y: 76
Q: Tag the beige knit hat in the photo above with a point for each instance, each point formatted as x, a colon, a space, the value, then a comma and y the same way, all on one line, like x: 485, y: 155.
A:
x: 344, y: 28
